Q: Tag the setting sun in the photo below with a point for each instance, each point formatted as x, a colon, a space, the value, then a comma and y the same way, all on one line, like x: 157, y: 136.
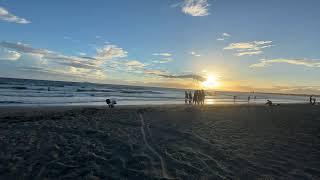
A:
x: 211, y: 82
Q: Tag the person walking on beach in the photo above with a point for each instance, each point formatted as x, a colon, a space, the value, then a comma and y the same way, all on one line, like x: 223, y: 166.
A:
x: 190, y: 97
x: 186, y: 97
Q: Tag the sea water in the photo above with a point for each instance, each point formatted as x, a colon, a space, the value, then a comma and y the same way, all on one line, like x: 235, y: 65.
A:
x: 26, y: 92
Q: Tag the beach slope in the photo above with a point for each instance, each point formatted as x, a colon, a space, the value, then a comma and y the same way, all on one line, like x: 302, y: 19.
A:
x: 158, y: 142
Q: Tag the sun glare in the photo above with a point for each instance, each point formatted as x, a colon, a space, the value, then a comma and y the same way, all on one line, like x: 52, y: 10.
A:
x: 211, y: 82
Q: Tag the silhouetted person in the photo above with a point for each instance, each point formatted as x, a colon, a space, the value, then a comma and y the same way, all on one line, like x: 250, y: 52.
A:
x: 195, y: 97
x: 234, y: 99
x: 201, y: 96
x: 186, y: 97
x: 269, y: 103
x: 190, y: 97
x: 111, y: 103
x: 310, y: 99
x: 249, y: 99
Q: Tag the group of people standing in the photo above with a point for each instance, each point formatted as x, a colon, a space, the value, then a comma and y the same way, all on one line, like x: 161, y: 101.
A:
x: 197, y: 98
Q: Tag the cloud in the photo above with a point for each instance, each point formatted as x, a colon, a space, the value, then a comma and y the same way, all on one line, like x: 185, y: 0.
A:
x: 7, y: 16
x: 135, y: 64
x: 162, y: 54
x: 69, y: 72
x: 110, y: 51
x: 155, y: 72
x: 248, y: 53
x: 301, y: 62
x: 163, y: 60
x: 9, y: 55
x: 249, y: 48
x: 195, y: 54
x: 187, y: 76
x: 196, y: 7
x: 24, y: 48
x: 224, y: 36
x: 44, y: 54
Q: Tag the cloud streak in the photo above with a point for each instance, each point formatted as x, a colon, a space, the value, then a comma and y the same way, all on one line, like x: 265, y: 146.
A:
x: 110, y: 51
x: 9, y: 55
x: 196, y: 7
x: 249, y: 48
x: 195, y: 54
x: 5, y: 15
x: 162, y: 54
x: 106, y: 53
x: 300, y: 62
x: 224, y: 36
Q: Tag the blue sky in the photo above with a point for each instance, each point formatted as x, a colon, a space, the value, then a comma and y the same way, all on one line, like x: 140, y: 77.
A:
x: 247, y: 45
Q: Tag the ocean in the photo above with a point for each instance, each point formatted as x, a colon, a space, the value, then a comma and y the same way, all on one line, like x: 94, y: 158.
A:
x: 29, y: 92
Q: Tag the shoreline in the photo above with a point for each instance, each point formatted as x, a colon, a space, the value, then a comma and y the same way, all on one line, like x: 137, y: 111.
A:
x: 166, y: 106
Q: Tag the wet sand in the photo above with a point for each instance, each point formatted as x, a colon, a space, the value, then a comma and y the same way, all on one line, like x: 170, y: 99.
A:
x: 158, y: 142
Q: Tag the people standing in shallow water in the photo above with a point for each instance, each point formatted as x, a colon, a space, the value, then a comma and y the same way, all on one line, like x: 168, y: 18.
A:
x: 195, y: 97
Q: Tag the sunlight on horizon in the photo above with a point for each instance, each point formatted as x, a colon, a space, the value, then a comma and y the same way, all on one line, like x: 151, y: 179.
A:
x: 211, y: 82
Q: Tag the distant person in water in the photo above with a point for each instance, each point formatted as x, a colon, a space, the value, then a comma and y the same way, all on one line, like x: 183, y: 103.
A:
x: 249, y: 99
x: 234, y: 99
x: 310, y: 99
x: 190, y: 97
x: 186, y: 97
x: 111, y: 102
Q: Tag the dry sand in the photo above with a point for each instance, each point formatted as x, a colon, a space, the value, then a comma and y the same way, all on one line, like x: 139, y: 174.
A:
x: 157, y: 142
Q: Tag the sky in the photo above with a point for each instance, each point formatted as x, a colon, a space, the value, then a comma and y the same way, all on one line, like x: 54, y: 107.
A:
x: 247, y: 45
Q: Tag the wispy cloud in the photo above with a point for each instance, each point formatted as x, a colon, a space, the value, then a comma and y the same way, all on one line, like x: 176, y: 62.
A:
x: 196, y: 7
x: 9, y: 55
x: 163, y: 60
x: 186, y: 76
x: 248, y: 53
x: 103, y: 54
x: 165, y: 74
x: 110, y: 51
x: 249, y: 48
x: 224, y: 36
x: 162, y: 54
x: 194, y: 54
x: 301, y: 62
x: 135, y: 64
x: 5, y: 15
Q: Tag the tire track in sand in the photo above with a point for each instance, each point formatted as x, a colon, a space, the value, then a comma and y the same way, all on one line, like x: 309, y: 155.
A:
x: 164, y: 171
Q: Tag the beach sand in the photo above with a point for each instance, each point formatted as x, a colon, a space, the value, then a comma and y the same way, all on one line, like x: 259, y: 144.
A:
x: 159, y: 142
